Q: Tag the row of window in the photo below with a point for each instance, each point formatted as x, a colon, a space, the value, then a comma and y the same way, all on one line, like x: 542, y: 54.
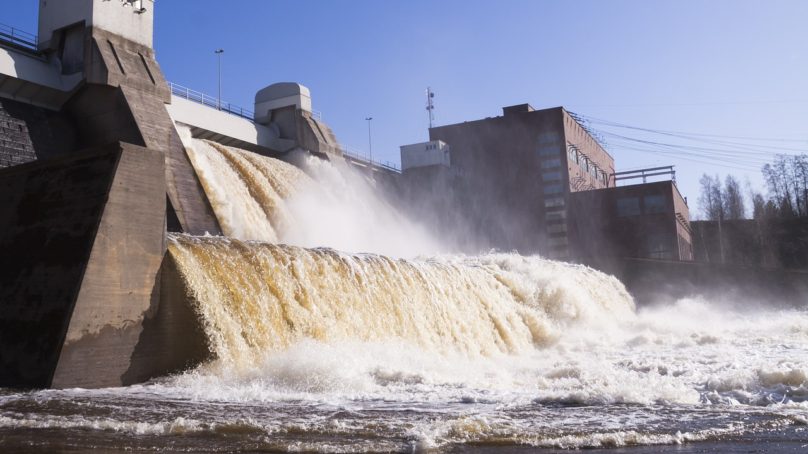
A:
x: 548, y: 151
x: 586, y: 164
x: 630, y: 206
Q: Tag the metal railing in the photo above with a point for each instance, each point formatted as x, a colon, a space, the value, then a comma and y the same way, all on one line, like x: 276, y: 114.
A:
x: 213, y: 102
x: 367, y: 161
x: 210, y: 101
x: 645, y: 174
x: 18, y: 37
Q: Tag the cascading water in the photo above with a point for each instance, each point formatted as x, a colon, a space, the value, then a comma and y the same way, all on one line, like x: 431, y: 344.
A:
x: 316, y: 349
x: 261, y: 198
x: 247, y: 191
x: 259, y: 298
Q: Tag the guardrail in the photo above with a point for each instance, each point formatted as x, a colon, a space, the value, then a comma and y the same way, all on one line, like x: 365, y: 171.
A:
x: 366, y: 160
x: 210, y: 101
x: 18, y: 37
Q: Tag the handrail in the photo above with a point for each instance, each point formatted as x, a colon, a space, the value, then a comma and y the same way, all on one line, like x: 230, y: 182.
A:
x: 366, y: 160
x: 18, y: 37
x: 210, y: 101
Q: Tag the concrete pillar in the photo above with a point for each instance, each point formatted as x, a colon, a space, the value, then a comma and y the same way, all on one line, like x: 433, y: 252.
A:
x: 130, y: 19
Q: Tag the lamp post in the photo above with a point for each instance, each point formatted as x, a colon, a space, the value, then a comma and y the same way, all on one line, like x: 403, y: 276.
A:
x: 219, y: 53
x: 370, y: 144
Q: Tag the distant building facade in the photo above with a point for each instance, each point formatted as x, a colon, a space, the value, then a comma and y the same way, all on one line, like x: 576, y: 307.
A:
x: 536, y: 181
x: 425, y: 154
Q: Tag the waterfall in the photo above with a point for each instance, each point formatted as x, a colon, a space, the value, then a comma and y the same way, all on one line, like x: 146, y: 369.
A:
x: 246, y: 191
x: 256, y: 298
x: 326, y: 203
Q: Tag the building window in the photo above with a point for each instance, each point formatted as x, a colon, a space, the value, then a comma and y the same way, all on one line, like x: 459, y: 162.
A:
x: 554, y: 202
x: 548, y: 137
x: 551, y: 163
x: 657, y: 247
x: 557, y: 241
x: 551, y: 176
x: 573, y: 153
x: 548, y: 151
x: 628, y: 206
x: 654, y: 204
x: 553, y: 189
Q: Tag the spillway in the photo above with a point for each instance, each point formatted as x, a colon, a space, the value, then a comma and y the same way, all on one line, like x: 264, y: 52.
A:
x: 257, y: 298
x: 319, y: 204
x: 246, y: 191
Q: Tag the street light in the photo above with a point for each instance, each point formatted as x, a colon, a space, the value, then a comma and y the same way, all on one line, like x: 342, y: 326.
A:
x: 370, y: 144
x: 219, y: 53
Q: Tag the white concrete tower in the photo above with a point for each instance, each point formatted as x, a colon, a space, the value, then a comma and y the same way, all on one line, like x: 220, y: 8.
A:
x: 60, y: 20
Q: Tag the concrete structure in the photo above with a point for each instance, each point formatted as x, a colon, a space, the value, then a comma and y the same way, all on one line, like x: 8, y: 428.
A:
x: 82, y: 249
x: 93, y: 173
x: 538, y: 182
x: 285, y: 107
x: 278, y: 96
x: 642, y: 221
x: 765, y: 241
x: 425, y: 154
x: 227, y: 129
x: 62, y: 22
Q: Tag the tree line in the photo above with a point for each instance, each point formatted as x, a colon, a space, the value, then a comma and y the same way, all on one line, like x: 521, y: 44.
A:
x: 787, y: 183
x: 778, y: 234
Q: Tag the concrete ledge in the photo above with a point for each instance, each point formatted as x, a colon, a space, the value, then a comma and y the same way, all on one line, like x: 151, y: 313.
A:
x: 662, y: 281
x: 225, y: 128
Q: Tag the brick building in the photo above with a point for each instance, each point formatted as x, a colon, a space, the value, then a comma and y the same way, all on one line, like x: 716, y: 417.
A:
x: 536, y: 181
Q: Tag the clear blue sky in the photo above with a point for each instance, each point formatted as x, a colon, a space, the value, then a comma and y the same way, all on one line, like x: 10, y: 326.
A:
x: 734, y: 68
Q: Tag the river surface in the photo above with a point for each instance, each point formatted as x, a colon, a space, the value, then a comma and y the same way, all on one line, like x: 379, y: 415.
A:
x: 690, y: 377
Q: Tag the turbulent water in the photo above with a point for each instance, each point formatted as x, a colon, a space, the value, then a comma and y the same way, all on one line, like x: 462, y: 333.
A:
x: 325, y: 204
x: 316, y: 349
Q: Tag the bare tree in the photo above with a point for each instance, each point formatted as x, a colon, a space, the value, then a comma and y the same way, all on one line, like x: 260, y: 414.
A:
x: 710, y: 199
x: 732, y: 199
x: 787, y: 179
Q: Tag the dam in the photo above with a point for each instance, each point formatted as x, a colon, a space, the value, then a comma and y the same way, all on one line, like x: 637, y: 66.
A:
x: 87, y: 105
x: 179, y: 273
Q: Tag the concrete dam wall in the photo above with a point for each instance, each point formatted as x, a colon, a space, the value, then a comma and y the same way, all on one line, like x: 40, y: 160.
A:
x: 80, y: 273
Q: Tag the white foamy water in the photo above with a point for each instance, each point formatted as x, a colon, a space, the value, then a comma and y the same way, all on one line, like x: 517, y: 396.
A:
x: 684, y: 373
x: 326, y: 204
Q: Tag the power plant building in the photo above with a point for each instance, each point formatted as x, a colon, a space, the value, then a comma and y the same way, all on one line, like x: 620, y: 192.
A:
x: 537, y: 181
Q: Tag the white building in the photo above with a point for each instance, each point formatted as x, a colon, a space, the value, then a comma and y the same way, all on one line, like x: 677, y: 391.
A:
x: 424, y: 154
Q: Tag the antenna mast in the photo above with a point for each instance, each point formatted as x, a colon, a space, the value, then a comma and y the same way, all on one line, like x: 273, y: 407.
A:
x: 430, y: 106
